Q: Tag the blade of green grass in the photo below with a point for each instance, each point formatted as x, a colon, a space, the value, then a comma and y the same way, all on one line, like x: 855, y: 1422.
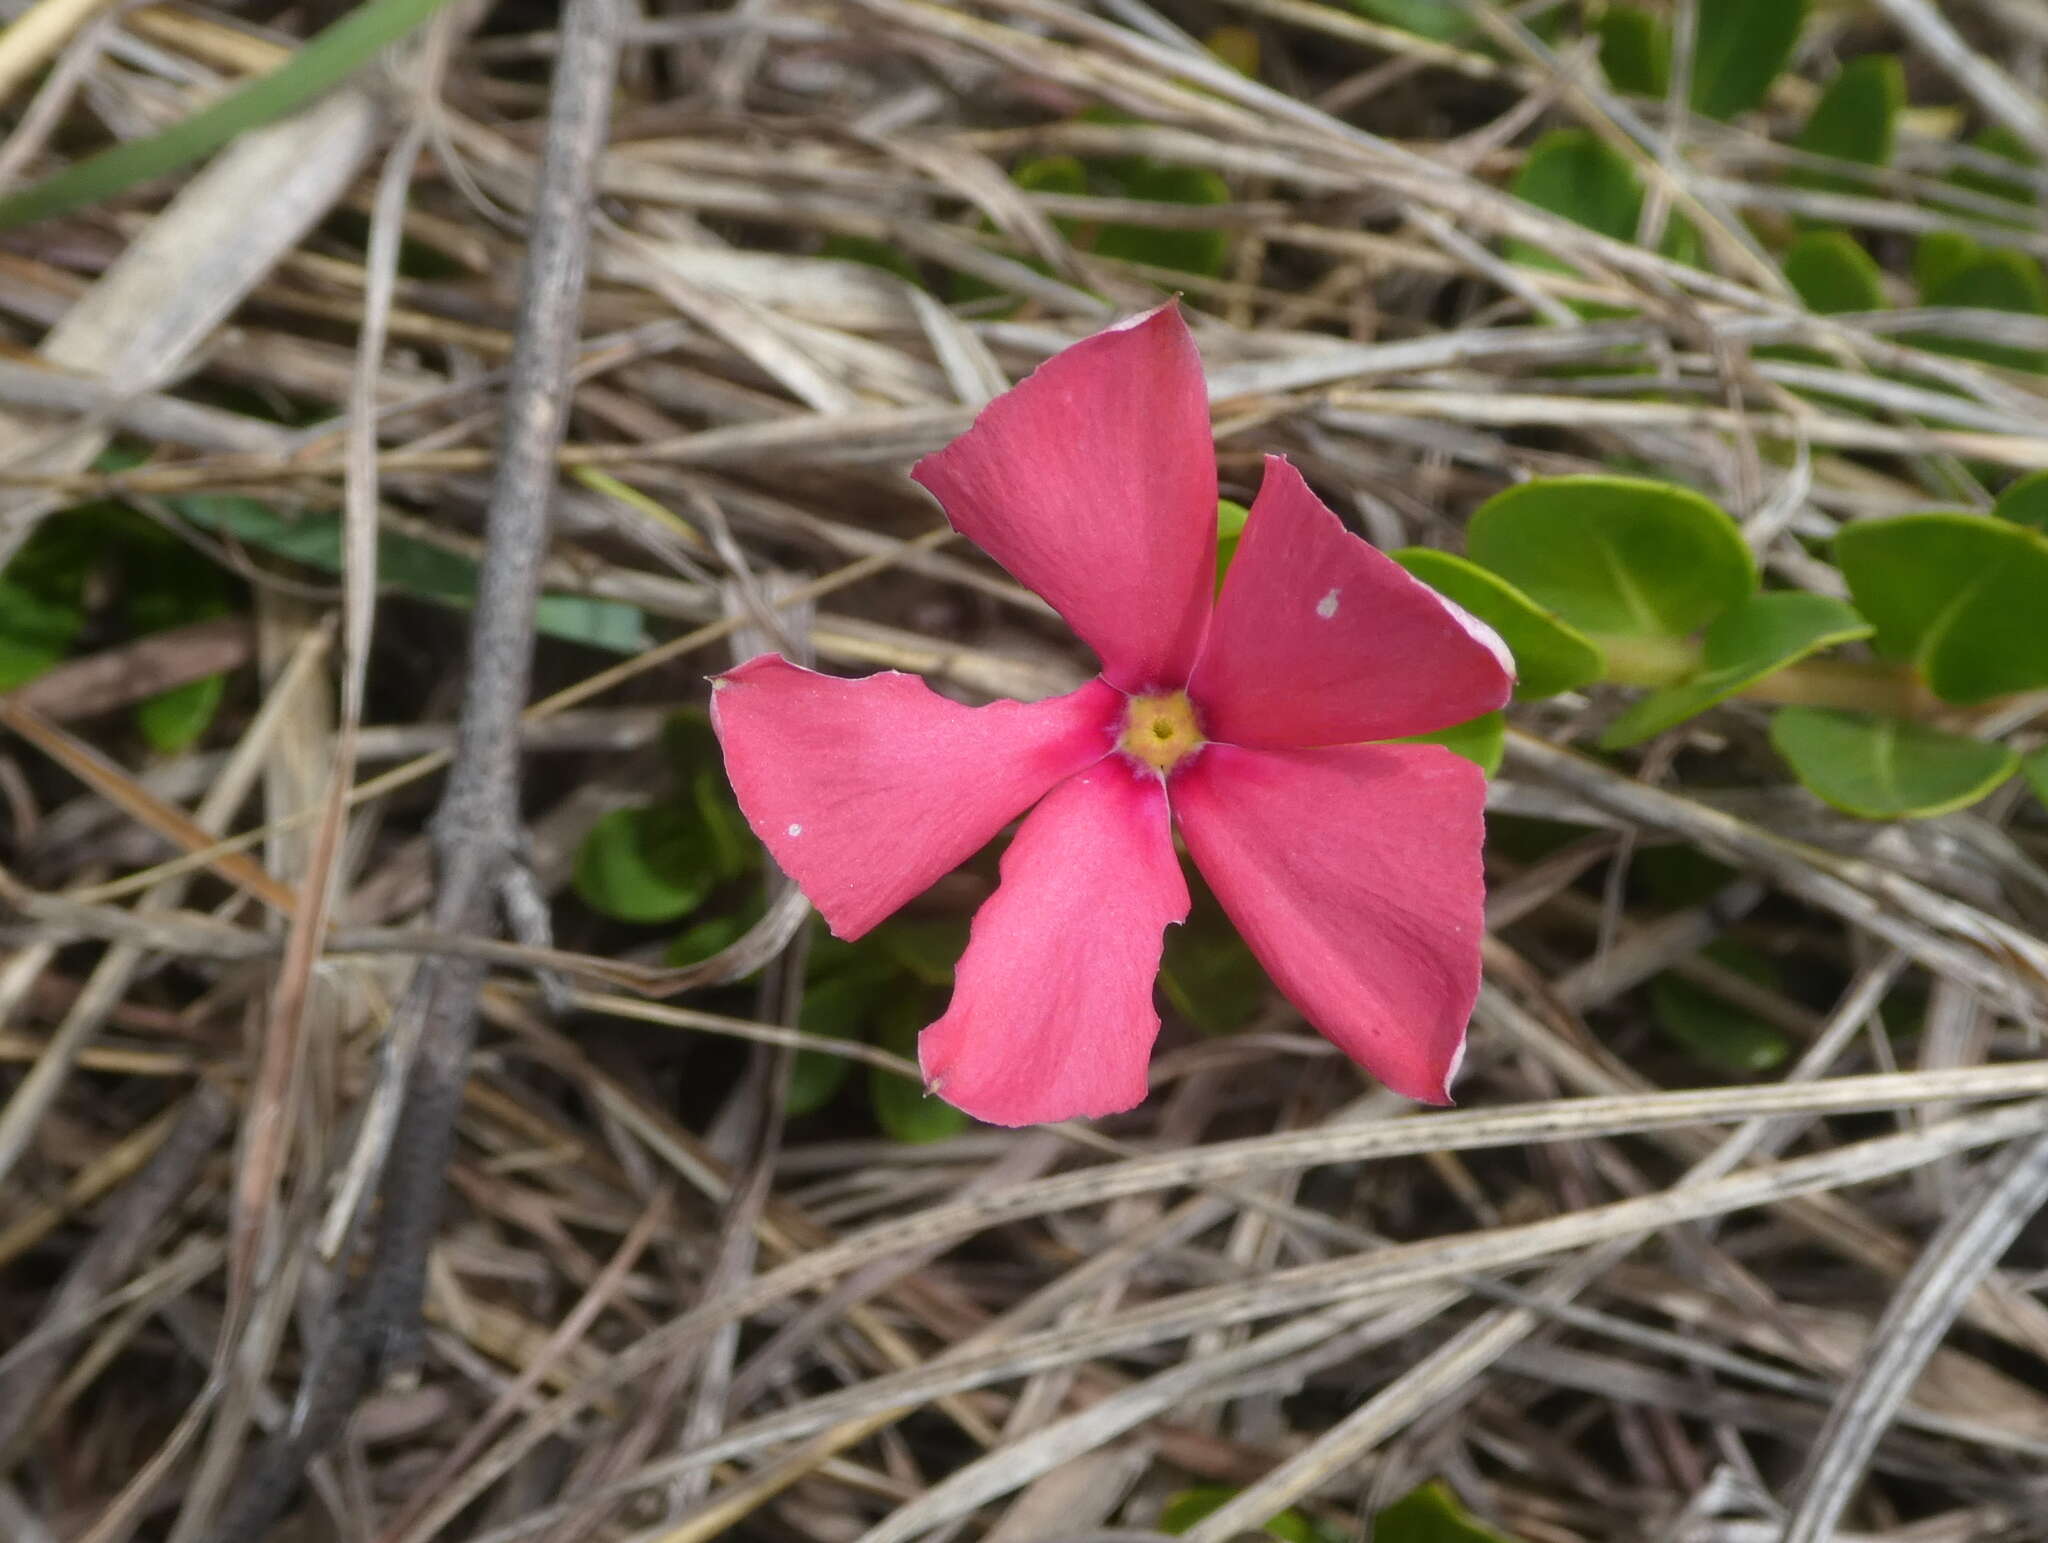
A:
x: 321, y: 64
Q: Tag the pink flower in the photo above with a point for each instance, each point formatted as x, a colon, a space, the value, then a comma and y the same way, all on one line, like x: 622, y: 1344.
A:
x: 1351, y: 868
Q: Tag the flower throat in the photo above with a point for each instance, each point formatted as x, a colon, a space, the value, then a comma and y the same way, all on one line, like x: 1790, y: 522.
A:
x: 1161, y: 731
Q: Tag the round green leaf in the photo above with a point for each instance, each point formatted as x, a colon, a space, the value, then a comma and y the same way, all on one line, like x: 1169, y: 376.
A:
x: 714, y: 934
x: 173, y: 720
x: 1208, y: 974
x: 2026, y: 502
x: 2035, y: 769
x: 1709, y: 1026
x: 1192, y: 250
x: 1957, y: 595
x: 870, y: 253
x: 42, y: 596
x: 1617, y: 556
x: 1940, y: 255
x: 1635, y: 50
x: 1832, y: 273
x: 1887, y: 768
x: 927, y: 949
x: 1995, y: 280
x: 1230, y: 518
x: 1190, y: 1506
x: 645, y: 865
x: 1740, y: 47
x: 1856, y: 119
x: 168, y: 585
x: 1482, y: 740
x: 1430, y: 1513
x: 1550, y: 655
x: 1573, y: 173
x: 902, y: 1107
x: 2000, y: 141
x: 1759, y: 637
x: 1445, y: 20
x: 839, y: 1007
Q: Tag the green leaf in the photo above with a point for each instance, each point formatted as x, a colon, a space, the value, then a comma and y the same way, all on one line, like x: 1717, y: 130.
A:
x: 1712, y: 1028
x: 1756, y: 638
x: 2035, y: 769
x: 903, y: 1108
x: 1052, y: 174
x: 1615, y: 556
x: 173, y: 720
x: 168, y: 585
x: 1994, y: 280
x: 1959, y: 596
x: 1887, y: 768
x: 1741, y: 47
x: 42, y: 597
x: 1676, y: 875
x: 643, y: 865
x: 1190, y: 1506
x: 1550, y: 654
x: 1230, y: 518
x: 1940, y: 255
x: 410, y: 566
x: 1573, y: 173
x: 871, y: 253
x: 1444, y: 20
x: 2025, y: 502
x: 1237, y: 47
x: 316, y: 67
x: 1208, y: 974
x: 839, y: 1007
x: 729, y: 845
x: 1856, y: 119
x: 1482, y: 740
x: 1635, y: 50
x: 1430, y: 1513
x: 1998, y: 140
x: 700, y: 940
x: 925, y: 949
x: 1832, y: 273
x: 1184, y: 251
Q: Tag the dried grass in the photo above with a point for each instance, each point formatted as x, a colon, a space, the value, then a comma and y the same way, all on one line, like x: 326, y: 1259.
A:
x: 1600, y: 1300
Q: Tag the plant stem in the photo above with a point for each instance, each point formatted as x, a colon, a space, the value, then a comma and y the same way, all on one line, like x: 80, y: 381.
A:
x: 1857, y: 685
x: 476, y: 828
x: 1861, y: 685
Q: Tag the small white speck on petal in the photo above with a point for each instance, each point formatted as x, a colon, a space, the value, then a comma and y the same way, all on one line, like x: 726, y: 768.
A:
x: 1327, y: 606
x: 796, y: 830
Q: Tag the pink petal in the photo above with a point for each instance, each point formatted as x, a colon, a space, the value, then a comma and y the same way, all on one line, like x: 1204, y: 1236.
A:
x: 1094, y: 482
x: 1320, y: 639
x: 867, y: 791
x: 1354, y: 874
x: 1052, y: 1015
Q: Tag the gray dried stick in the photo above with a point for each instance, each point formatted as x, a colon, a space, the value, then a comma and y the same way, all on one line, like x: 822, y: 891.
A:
x: 476, y: 827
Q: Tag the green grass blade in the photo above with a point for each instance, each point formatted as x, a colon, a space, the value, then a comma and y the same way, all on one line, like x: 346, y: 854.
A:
x: 321, y: 64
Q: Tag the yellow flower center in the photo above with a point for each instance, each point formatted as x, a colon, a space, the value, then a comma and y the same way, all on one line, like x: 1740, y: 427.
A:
x: 1161, y: 730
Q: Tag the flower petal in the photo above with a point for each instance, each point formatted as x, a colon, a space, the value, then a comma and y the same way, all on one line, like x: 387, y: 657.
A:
x: 1321, y: 639
x: 1354, y: 874
x: 1093, y: 482
x: 867, y: 791
x: 1052, y: 1015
